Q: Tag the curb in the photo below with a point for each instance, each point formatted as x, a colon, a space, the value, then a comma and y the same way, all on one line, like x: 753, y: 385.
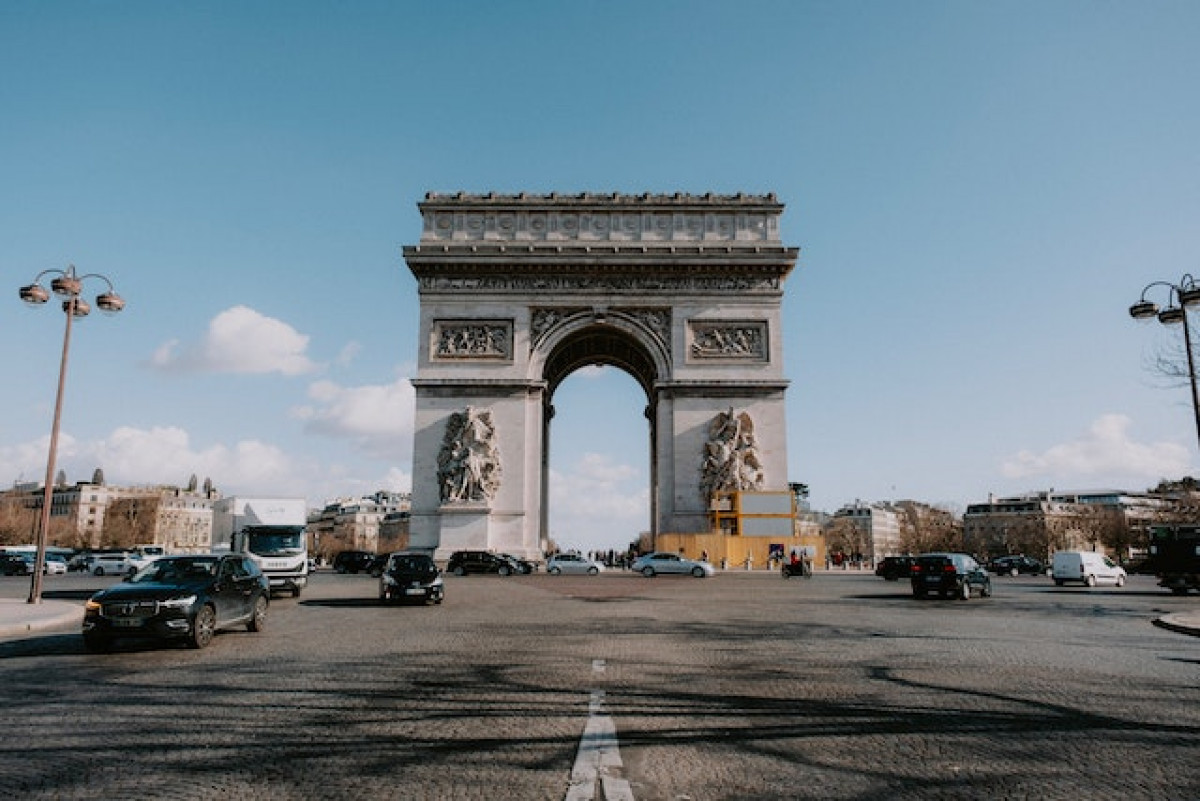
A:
x: 18, y: 617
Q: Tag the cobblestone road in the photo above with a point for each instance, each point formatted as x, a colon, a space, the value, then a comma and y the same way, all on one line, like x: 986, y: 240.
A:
x: 744, y: 686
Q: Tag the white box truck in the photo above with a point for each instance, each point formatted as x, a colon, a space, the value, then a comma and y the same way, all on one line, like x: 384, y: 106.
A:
x: 271, y: 531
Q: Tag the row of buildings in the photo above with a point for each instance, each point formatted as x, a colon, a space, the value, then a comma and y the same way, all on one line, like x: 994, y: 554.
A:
x: 95, y: 515
x: 746, y: 527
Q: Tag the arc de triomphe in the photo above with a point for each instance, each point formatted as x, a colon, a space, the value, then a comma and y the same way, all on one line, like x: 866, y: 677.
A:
x: 683, y: 292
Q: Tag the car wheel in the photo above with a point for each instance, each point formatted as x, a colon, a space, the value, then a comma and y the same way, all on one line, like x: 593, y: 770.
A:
x: 295, y: 591
x: 258, y: 620
x: 204, y: 628
x: 504, y: 570
x: 1090, y: 581
x: 1120, y: 581
x: 1059, y: 582
x: 919, y: 593
x: 986, y: 592
x: 698, y: 572
x: 98, y: 571
x: 648, y: 572
x: 97, y: 643
x: 555, y: 571
x: 460, y: 571
x: 592, y: 571
x: 964, y: 592
x: 1013, y: 572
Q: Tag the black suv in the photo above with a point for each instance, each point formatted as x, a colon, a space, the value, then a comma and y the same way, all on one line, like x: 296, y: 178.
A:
x: 13, y: 565
x: 894, y: 568
x: 463, y: 562
x: 1015, y: 565
x: 411, y: 576
x: 179, y: 597
x: 950, y: 575
x: 353, y: 561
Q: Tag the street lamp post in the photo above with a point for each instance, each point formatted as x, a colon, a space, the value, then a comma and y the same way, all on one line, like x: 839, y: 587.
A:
x: 1180, y: 296
x: 68, y: 286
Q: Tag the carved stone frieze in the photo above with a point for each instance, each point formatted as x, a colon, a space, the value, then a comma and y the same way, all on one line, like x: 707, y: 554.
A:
x: 750, y: 284
x: 741, y: 340
x: 472, y: 339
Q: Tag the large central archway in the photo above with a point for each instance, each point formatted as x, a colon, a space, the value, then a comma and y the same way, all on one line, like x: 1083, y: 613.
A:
x: 681, y: 292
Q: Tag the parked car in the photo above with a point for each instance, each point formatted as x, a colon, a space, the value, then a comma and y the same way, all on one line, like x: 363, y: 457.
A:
x: 522, y: 565
x: 1015, y: 565
x: 410, y: 576
x: 1086, y: 567
x: 55, y: 565
x: 111, y: 564
x: 378, y: 564
x: 12, y: 564
x: 949, y: 575
x: 353, y: 561
x: 894, y: 568
x: 179, y: 597
x: 462, y: 563
x: 652, y: 564
x: 572, y: 563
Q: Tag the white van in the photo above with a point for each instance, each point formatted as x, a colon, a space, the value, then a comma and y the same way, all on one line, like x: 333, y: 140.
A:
x: 1087, y: 567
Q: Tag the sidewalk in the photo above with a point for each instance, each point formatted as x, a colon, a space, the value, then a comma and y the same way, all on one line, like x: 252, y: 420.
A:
x: 19, y: 617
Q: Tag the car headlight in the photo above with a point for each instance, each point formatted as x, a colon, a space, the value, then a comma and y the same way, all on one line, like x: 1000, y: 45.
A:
x: 92, y: 605
x: 178, y: 603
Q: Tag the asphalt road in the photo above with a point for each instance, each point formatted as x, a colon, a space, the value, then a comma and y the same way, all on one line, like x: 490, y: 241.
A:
x: 743, y: 686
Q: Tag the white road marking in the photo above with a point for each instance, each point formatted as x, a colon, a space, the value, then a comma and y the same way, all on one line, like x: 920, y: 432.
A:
x: 599, y: 758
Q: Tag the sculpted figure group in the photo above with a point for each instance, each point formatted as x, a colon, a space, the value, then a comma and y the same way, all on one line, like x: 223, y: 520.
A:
x: 469, y: 462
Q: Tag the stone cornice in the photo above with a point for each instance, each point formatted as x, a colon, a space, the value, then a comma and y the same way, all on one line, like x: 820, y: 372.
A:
x: 588, y: 200
x: 548, y: 221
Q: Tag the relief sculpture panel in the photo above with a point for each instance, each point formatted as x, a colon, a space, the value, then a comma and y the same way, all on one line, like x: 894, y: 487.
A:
x: 475, y: 339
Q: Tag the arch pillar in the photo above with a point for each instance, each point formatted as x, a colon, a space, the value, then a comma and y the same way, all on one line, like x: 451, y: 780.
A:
x: 517, y: 292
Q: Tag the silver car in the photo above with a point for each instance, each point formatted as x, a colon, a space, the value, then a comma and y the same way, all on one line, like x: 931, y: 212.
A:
x: 652, y: 564
x: 572, y: 563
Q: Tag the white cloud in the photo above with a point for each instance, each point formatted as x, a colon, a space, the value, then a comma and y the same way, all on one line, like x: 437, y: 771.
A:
x: 598, y: 504
x: 166, y: 456
x: 377, y: 418
x: 240, y: 340
x: 1105, y: 451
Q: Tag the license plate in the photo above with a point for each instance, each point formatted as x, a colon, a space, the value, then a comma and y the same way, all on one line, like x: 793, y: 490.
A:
x: 932, y: 579
x: 126, y: 622
x: 414, y: 591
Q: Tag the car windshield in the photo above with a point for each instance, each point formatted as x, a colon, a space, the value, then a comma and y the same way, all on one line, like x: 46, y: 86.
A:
x: 277, y: 542
x: 410, y: 564
x: 176, y: 571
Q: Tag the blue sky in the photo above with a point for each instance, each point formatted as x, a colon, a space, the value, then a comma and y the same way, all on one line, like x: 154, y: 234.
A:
x: 980, y: 190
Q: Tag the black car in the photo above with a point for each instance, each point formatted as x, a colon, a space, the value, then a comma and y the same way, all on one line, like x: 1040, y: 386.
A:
x: 353, y: 561
x: 894, y: 568
x: 179, y: 597
x: 949, y: 575
x: 522, y: 565
x: 1015, y: 565
x: 13, y: 565
x: 378, y: 564
x: 411, y: 576
x: 463, y: 562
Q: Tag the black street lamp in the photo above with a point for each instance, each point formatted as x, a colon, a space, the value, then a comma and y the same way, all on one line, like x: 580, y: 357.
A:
x: 1180, y: 296
x: 68, y: 286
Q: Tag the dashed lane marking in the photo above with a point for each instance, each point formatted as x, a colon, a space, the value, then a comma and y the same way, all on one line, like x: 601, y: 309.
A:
x: 598, y: 762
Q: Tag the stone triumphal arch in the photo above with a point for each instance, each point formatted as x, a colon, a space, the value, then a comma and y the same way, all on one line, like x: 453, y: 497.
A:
x: 683, y: 292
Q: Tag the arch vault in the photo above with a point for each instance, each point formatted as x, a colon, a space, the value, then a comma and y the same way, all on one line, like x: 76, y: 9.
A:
x: 682, y: 292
